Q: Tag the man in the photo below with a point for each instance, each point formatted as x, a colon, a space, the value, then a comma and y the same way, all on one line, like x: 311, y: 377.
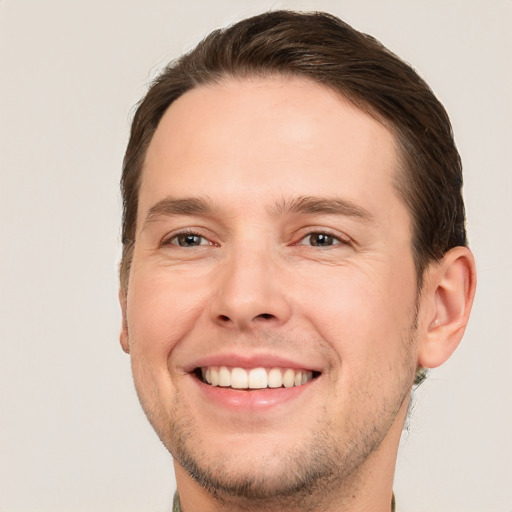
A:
x: 294, y: 257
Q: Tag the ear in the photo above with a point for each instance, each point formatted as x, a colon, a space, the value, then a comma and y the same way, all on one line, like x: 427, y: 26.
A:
x: 450, y: 288
x: 123, y: 336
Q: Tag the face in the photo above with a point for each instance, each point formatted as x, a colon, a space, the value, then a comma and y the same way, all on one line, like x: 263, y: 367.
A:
x: 270, y: 312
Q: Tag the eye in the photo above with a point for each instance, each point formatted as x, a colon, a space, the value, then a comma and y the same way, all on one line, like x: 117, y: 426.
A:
x: 320, y: 240
x: 188, y: 240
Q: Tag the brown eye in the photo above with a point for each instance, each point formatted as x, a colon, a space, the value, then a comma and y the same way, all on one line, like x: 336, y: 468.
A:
x: 188, y: 240
x: 320, y: 240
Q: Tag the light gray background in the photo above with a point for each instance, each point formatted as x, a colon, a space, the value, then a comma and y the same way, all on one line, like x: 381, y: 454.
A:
x: 73, y: 437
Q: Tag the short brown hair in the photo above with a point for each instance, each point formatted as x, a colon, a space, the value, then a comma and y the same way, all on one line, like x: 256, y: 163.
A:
x: 322, y: 48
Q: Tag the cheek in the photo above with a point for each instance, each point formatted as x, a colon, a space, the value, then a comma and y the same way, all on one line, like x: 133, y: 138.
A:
x: 162, y: 309
x: 364, y: 316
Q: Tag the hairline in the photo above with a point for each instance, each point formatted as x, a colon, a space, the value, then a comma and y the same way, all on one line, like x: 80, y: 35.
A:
x: 400, y: 178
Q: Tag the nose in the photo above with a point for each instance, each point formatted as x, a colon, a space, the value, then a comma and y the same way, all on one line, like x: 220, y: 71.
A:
x: 250, y: 293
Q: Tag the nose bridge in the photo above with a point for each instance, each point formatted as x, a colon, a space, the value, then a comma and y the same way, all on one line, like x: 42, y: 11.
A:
x: 249, y: 291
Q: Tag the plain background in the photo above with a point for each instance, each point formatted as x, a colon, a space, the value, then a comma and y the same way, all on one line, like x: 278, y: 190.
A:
x: 73, y: 437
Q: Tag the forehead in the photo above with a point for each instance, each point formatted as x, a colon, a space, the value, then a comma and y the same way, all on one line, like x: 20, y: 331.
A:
x: 269, y: 137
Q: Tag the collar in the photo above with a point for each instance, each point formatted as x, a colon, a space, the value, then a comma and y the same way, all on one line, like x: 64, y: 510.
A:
x: 176, y: 507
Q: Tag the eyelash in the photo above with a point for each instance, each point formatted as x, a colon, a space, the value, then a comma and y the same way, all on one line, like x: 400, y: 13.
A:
x: 330, y: 237
x: 339, y: 240
x: 187, y: 232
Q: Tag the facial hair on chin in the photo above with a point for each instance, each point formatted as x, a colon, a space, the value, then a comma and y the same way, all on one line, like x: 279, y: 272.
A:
x: 321, y: 462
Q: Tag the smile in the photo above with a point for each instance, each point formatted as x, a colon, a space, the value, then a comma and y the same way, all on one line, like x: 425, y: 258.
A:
x: 254, y: 378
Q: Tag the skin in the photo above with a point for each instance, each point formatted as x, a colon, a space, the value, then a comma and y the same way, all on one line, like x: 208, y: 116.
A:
x: 260, y: 285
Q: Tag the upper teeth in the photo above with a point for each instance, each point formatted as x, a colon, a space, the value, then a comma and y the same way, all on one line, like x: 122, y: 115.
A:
x: 255, y: 378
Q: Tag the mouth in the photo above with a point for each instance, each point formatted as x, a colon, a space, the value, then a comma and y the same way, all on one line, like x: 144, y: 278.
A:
x: 254, y: 378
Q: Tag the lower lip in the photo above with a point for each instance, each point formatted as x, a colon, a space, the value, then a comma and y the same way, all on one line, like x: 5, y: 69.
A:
x: 253, y: 399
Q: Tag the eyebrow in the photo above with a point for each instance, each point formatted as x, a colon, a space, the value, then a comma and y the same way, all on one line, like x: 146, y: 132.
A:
x: 188, y: 206
x: 306, y: 205
x: 311, y: 205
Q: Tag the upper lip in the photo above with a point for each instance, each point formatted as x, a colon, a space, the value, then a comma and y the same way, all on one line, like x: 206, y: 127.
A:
x: 262, y: 360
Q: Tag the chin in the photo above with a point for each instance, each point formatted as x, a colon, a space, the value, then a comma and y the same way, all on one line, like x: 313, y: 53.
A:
x: 259, y: 476
x: 267, y: 467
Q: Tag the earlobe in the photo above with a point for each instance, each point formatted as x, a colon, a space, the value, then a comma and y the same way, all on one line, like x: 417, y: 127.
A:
x: 451, y: 288
x: 123, y: 336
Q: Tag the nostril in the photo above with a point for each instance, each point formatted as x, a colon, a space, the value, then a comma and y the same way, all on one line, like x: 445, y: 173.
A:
x: 224, y: 318
x: 266, y: 316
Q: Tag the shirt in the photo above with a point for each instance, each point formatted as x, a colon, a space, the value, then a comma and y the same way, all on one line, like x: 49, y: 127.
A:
x: 176, y: 507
